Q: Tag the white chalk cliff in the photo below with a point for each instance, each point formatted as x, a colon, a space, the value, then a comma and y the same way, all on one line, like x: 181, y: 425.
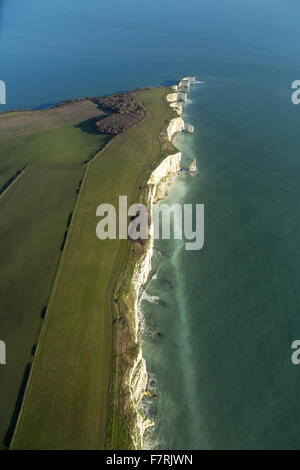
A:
x: 180, y: 96
x: 176, y: 125
x: 185, y: 83
x: 158, y: 182
x: 172, y: 97
x: 164, y: 174
x: 177, y: 106
x: 169, y: 166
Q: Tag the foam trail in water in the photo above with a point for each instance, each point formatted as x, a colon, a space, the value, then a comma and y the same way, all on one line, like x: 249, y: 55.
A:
x: 153, y: 299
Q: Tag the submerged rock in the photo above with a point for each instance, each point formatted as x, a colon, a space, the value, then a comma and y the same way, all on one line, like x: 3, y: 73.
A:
x: 150, y: 394
x: 166, y: 283
x: 163, y: 303
x: 152, y: 383
x: 157, y: 333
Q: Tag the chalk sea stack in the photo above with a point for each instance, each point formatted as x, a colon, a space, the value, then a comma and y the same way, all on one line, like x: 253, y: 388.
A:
x: 193, y: 166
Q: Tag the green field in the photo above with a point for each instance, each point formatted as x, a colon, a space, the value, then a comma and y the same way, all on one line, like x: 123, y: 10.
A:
x: 13, y: 124
x: 35, y: 211
x: 13, y: 113
x: 7, y: 175
x: 34, y: 215
x: 66, y: 402
x: 66, y: 144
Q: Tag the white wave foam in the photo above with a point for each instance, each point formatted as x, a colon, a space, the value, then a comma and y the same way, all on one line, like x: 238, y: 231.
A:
x: 153, y: 299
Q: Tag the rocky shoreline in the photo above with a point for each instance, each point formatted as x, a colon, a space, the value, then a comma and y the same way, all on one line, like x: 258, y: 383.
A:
x: 158, y: 184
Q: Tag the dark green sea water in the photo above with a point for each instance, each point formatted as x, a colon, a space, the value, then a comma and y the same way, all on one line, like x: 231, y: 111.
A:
x: 222, y: 369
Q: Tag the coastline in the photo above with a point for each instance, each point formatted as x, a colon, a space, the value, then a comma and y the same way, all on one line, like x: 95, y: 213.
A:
x: 151, y: 143
x: 122, y: 168
x: 158, y: 184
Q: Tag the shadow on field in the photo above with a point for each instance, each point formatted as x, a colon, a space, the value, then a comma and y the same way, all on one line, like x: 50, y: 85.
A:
x: 10, y: 431
x: 64, y: 241
x: 10, y: 181
x: 44, y: 312
x: 89, y: 126
x: 71, y: 214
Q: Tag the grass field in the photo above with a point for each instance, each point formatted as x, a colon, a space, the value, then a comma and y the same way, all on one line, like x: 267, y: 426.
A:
x: 66, y: 144
x: 34, y: 215
x: 24, y: 122
x: 34, y: 212
x: 65, y: 406
x: 12, y: 113
x: 7, y: 174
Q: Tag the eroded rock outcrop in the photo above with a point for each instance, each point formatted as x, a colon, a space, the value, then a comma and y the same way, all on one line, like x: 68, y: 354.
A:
x: 185, y: 83
x: 138, y: 381
x: 177, y: 106
x: 163, y: 176
x: 158, y: 182
x: 193, y: 166
x: 180, y: 96
x: 176, y: 125
x: 190, y: 129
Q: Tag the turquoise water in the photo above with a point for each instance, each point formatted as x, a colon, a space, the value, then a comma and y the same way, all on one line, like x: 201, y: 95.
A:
x: 229, y: 313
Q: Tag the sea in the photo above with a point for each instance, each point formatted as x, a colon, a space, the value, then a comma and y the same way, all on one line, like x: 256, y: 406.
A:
x: 219, y: 322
